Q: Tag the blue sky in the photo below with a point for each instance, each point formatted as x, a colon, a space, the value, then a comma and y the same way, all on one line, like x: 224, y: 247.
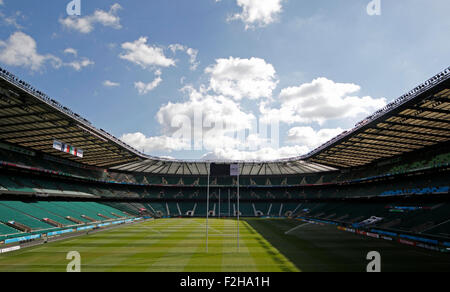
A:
x: 314, y: 67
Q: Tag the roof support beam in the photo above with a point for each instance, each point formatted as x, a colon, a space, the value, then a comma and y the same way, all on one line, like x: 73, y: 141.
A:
x: 371, y: 150
x: 159, y: 168
x: 422, y: 119
x: 397, y: 137
x: 373, y: 147
x: 260, y: 168
x: 279, y: 168
x: 166, y: 168
x: 400, y: 144
x: 105, y: 149
x: 442, y: 99
x: 100, y: 158
x: 122, y: 167
x: 366, y: 155
x: 28, y: 141
x: 198, y: 169
x: 347, y: 155
x: 380, y: 146
x: 180, y: 166
x: 337, y: 162
x: 102, y: 161
x: 360, y: 155
x: 416, y: 126
x: 32, y: 123
x: 108, y: 165
x: 137, y: 165
x: 412, y: 132
x: 19, y: 105
x: 25, y: 115
x: 105, y: 163
x: 429, y: 109
x: 40, y: 135
x: 285, y: 169
x: 188, y: 168
x: 270, y: 168
x: 296, y: 168
x: 34, y: 130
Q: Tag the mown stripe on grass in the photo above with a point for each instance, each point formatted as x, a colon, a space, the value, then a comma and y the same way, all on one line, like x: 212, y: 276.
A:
x: 179, y: 248
x: 266, y: 256
x: 160, y: 245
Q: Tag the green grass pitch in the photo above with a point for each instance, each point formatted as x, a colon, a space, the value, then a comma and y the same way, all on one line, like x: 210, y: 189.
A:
x: 173, y: 245
x: 178, y: 245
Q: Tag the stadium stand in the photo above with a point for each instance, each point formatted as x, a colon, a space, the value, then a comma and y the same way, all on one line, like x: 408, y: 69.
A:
x: 423, y: 218
x: 394, y: 165
x: 4, y: 229
x: 11, y: 215
x: 34, y: 209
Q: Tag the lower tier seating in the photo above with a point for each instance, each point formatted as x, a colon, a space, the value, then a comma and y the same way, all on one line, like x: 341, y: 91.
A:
x: 17, y: 216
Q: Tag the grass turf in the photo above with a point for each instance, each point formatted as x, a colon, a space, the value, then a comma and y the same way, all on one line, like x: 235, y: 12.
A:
x: 173, y: 245
x: 178, y: 245
x: 315, y: 248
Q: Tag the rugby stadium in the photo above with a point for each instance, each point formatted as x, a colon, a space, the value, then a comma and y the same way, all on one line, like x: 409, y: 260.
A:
x: 67, y: 186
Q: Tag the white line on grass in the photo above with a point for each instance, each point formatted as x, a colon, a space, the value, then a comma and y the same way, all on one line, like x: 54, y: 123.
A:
x: 295, y: 228
x: 209, y: 227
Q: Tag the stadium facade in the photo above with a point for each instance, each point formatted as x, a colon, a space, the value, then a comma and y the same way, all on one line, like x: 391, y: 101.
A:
x: 388, y: 176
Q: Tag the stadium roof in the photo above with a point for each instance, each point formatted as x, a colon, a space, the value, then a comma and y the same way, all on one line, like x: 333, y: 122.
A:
x: 417, y: 120
x: 247, y: 168
x: 31, y: 119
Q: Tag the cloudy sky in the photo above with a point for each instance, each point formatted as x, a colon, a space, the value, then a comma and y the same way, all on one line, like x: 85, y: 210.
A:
x: 204, y: 78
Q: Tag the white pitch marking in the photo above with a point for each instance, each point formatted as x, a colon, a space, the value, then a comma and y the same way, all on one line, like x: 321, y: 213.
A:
x: 295, y: 228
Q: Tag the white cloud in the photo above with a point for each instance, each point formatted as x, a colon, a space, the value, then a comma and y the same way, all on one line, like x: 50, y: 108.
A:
x: 320, y: 101
x: 83, y: 25
x: 264, y: 154
x: 192, y: 53
x: 71, y: 51
x: 12, y: 20
x: 144, y: 88
x: 212, y: 109
x: 177, y: 47
x: 258, y: 13
x: 310, y: 138
x: 242, y: 78
x: 109, y: 18
x: 109, y: 83
x: 301, y: 139
x: 151, y: 144
x: 146, y: 56
x: 21, y: 50
x: 77, y: 65
x: 204, y: 121
x: 212, y: 119
x: 86, y: 24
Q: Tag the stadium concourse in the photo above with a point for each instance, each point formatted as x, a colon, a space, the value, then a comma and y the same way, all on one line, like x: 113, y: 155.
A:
x: 387, y: 179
